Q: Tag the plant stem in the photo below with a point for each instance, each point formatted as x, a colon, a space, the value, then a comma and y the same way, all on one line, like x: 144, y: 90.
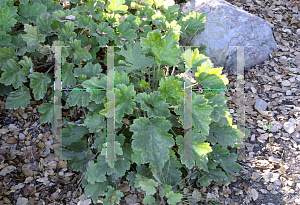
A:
x: 161, y: 197
x: 187, y: 176
x: 157, y: 76
x: 174, y: 69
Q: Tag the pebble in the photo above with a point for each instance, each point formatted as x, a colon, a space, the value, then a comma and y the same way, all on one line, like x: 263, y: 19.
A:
x: 21, y: 136
x: 275, y: 126
x: 25, y: 116
x: 285, y: 83
x: 289, y: 127
x: 260, y: 104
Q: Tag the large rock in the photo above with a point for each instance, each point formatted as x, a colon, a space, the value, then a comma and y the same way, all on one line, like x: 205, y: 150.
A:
x: 229, y: 25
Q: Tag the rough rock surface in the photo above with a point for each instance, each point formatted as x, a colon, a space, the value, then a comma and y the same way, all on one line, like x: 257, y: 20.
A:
x: 228, y: 25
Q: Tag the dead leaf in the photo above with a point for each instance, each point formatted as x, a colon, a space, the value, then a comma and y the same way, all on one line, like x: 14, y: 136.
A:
x: 123, y: 18
x: 27, y: 171
x: 126, y: 121
x: 88, y: 48
x: 100, y: 32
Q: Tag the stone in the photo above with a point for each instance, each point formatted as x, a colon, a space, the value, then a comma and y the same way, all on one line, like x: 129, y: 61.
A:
x: 289, y: 127
x: 227, y: 25
x: 260, y: 104
x: 275, y: 126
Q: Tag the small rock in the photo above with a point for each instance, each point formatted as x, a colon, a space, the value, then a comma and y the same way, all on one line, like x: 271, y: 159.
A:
x: 238, y: 191
x: 263, y: 137
x: 255, y: 176
x: 289, y: 127
x: 85, y: 202
x: 22, y: 201
x: 254, y: 194
x: 297, y: 201
x: 41, y: 145
x: 11, y: 140
x: 277, y: 182
x: 54, y: 196
x: 263, y: 191
x: 274, y: 160
x: 275, y: 126
x: 21, y: 136
x: 292, y: 79
x: 25, y: 116
x: 6, y: 200
x: 12, y: 126
x: 285, y: 83
x: 260, y: 104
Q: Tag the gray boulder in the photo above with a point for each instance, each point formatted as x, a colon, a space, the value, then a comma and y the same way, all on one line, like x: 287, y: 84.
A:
x: 229, y: 25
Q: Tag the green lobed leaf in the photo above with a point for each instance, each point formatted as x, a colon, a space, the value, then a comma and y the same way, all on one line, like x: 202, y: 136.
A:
x: 196, y: 59
x: 200, y: 113
x: 171, y: 89
x: 151, y: 137
x: 163, y: 48
x: 92, y: 8
x: 116, y: 6
x: 112, y: 196
x: 64, y: 52
x: 39, y: 84
x: 194, y: 142
x: 95, y: 122
x: 7, y: 18
x: 6, y: 54
x: 211, y: 78
x: 121, y: 78
x: 123, y: 101
x: 12, y: 74
x: 148, y: 199
x: 96, y: 172
x: 117, y: 151
x: 68, y: 78
x: 154, y: 104
x: 219, y: 103
x: 73, y: 134
x: 103, y: 32
x: 78, y: 52
x: 124, y: 32
x: 120, y: 166
x: 48, y: 112
x: 95, y: 190
x: 192, y: 23
x: 19, y: 98
x: 66, y: 33
x: 135, y: 59
x: 5, y: 90
x: 95, y: 83
x: 5, y: 40
x: 32, y: 36
x: 173, y: 198
x: 51, y: 5
x: 171, y: 173
x: 44, y: 22
x: 149, y: 186
x: 224, y: 135
x: 90, y: 70
x: 79, y: 97
x: 29, y: 12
